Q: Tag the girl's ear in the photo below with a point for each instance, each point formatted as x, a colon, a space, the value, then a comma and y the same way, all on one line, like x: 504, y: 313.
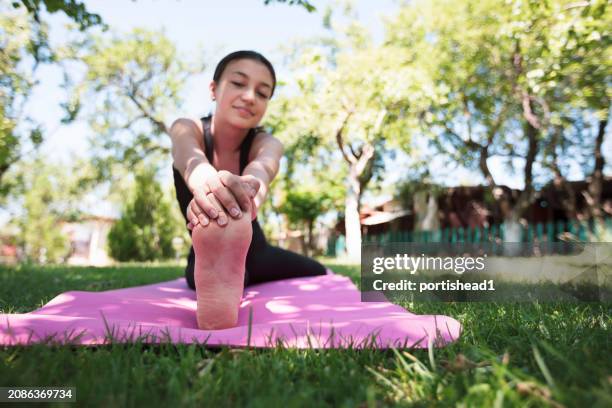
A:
x: 213, y: 90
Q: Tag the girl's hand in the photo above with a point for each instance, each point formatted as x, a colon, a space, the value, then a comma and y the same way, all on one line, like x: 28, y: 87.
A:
x: 227, y: 189
x: 197, y: 216
x: 234, y: 189
x: 253, y: 209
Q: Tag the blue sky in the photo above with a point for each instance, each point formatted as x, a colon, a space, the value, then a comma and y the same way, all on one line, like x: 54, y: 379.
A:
x: 214, y: 28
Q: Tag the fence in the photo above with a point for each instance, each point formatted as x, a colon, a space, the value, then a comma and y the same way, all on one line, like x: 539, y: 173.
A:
x: 540, y: 232
x: 579, y: 231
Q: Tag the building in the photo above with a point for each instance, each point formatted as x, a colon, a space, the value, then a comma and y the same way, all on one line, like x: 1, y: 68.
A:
x: 471, y: 207
x: 88, y: 240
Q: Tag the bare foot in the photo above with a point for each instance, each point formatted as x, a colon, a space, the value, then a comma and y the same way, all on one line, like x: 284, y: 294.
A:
x: 220, y: 256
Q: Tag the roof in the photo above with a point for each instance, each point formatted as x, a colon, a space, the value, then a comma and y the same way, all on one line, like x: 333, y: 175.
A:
x: 382, y: 217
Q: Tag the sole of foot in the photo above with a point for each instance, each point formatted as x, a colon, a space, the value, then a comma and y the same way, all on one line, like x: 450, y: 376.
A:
x: 220, y: 257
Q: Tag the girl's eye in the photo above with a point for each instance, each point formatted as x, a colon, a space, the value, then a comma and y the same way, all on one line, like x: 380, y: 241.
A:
x: 237, y: 84
x: 263, y: 95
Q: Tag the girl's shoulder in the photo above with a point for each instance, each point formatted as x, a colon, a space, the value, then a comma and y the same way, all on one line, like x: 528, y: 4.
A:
x: 264, y: 142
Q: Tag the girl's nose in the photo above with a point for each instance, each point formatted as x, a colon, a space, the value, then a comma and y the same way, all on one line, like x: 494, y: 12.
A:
x: 248, y: 95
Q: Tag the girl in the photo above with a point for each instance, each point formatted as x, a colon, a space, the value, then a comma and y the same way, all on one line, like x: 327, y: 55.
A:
x: 223, y: 166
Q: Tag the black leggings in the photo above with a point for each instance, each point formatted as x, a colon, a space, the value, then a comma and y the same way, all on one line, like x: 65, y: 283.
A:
x: 265, y: 263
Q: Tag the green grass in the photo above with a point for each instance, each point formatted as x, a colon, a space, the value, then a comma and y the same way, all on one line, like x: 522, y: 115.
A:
x: 509, y: 355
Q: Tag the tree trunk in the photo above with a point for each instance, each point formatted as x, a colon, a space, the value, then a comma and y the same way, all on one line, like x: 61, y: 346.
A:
x: 426, y: 212
x: 593, y: 193
x: 310, y: 239
x: 512, y: 226
x: 352, y: 224
x: 512, y: 232
x: 513, y: 214
x: 304, y: 245
x: 532, y: 126
x: 360, y: 163
x: 562, y: 188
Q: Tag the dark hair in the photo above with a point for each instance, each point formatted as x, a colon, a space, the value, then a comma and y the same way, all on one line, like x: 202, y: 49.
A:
x: 245, y: 54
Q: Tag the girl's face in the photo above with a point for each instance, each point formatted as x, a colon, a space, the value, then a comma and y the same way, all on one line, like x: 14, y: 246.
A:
x: 242, y: 93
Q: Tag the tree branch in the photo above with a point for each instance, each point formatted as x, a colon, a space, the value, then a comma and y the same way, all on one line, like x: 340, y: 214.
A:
x: 339, y: 140
x: 560, y: 181
x: 468, y: 115
x: 468, y: 143
x: 528, y: 111
x: 353, y: 152
x: 160, y: 125
x: 578, y: 4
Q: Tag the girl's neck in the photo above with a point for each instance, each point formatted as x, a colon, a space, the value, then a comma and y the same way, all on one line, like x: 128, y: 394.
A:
x: 226, y: 138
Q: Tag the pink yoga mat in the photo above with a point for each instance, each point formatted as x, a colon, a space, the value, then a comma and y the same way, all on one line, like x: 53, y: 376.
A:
x: 316, y: 312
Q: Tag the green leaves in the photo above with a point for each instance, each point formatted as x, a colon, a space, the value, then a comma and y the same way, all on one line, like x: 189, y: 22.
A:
x: 304, y: 205
x: 75, y: 10
x: 18, y: 39
x: 48, y: 195
x: 131, y: 84
x: 146, y: 227
x: 303, y: 3
x: 492, y: 69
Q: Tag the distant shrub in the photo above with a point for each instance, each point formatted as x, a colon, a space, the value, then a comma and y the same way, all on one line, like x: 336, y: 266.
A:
x: 146, y: 227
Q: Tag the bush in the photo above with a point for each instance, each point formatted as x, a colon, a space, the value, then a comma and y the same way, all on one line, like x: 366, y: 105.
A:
x: 146, y: 227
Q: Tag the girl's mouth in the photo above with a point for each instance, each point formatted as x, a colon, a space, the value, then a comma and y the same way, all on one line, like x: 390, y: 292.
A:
x: 244, y: 111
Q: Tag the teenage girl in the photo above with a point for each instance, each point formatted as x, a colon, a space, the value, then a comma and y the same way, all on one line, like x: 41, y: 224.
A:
x: 223, y: 166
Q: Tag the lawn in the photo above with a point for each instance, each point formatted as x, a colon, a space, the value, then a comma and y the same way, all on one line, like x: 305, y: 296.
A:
x: 541, y: 354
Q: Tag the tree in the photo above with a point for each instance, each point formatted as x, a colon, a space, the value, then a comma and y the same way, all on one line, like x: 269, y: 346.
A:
x: 584, y: 59
x: 303, y: 207
x: 131, y: 84
x: 73, y: 9
x: 46, y: 195
x: 347, y: 104
x: 146, y: 227
x: 21, y: 50
x: 25, y: 42
x: 501, y: 73
x: 24, y: 46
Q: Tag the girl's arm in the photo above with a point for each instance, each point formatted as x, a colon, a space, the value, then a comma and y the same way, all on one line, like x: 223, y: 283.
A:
x: 264, y: 161
x: 201, y: 177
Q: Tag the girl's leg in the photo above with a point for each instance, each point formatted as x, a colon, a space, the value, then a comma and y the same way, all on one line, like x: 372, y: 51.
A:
x: 219, y: 268
x: 267, y: 263
x: 189, y: 269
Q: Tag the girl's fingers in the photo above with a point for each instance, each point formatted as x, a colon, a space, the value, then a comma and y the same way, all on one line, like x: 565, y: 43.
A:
x: 253, y: 209
x: 192, y: 218
x: 252, y: 183
x: 195, y: 215
x: 204, y: 205
x: 226, y: 200
x: 222, y: 219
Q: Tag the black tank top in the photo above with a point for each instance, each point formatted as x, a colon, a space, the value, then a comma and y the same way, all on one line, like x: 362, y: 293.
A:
x: 183, y: 194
